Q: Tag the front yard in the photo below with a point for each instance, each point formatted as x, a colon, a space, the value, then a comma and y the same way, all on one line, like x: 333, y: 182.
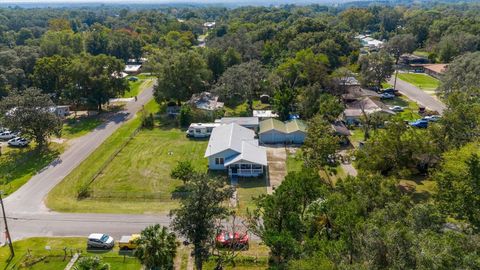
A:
x: 410, y: 112
x: 43, y: 253
x: 420, y: 80
x: 18, y: 165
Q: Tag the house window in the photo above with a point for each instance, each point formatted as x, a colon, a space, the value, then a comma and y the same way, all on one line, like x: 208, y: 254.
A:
x: 256, y: 166
x: 219, y: 161
x: 245, y: 166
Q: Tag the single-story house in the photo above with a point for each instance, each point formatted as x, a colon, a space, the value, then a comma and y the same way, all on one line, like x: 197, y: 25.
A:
x: 132, y: 69
x: 264, y: 114
x: 341, y: 131
x: 369, y: 42
x: 205, y: 101
x: 234, y: 148
x: 435, y: 70
x: 355, y: 92
x: 273, y: 131
x: 411, y: 59
x: 357, y: 109
x: 248, y: 122
x: 209, y: 25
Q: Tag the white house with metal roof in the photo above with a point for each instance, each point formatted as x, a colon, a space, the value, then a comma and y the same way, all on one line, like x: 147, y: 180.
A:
x: 234, y: 148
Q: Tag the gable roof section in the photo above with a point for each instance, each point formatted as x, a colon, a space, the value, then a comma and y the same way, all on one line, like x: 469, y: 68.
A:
x: 243, y: 121
x: 227, y: 137
x: 295, y: 125
x: 251, y: 153
x: 272, y: 124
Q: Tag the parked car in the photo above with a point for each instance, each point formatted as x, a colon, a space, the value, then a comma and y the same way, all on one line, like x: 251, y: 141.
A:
x: 432, y: 118
x: 387, y: 96
x: 100, y: 240
x: 422, y: 123
x: 7, y: 135
x: 18, y: 142
x: 391, y: 91
x: 128, y: 242
x: 396, y: 108
x: 233, y: 240
x: 133, y: 79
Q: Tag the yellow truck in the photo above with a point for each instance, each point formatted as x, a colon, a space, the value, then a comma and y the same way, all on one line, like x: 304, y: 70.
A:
x: 128, y: 242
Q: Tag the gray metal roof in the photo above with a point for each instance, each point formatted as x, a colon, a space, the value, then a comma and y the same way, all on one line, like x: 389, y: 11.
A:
x: 239, y: 139
x: 228, y: 137
x: 242, y: 121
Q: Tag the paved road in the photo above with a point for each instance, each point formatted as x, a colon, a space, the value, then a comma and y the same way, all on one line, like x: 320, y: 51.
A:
x: 28, y: 216
x: 418, y: 95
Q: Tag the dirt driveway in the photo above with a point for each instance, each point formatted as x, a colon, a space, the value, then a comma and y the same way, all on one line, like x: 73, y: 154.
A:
x: 277, y: 166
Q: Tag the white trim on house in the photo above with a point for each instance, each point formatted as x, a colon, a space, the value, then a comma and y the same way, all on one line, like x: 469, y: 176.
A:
x: 234, y: 148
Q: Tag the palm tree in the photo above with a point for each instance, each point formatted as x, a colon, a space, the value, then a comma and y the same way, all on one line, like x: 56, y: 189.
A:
x: 91, y: 263
x: 156, y: 248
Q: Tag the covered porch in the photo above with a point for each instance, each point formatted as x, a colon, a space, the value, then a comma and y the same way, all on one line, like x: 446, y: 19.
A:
x: 245, y: 169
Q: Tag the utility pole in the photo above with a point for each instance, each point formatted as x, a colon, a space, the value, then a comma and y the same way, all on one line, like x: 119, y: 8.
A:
x: 7, y: 232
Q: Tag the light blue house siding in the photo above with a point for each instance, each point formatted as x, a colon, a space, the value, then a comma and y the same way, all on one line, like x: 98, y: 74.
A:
x: 273, y: 136
x: 216, y: 162
x: 297, y: 137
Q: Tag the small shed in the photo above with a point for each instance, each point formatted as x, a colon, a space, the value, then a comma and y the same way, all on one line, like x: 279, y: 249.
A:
x: 296, y: 131
x: 272, y: 131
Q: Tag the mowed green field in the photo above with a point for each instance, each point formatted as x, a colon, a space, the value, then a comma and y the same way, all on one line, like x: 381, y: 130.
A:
x: 142, y: 169
x: 422, y: 81
x: 137, y: 179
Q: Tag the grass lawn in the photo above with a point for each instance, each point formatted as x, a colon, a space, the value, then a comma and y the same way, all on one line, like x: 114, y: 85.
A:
x: 423, y: 189
x: 136, y: 87
x: 18, y: 165
x: 420, y: 80
x: 54, y: 258
x: 141, y: 170
x: 294, y: 161
x: 247, y: 190
x: 74, y: 128
x: 242, y: 109
x: 410, y: 112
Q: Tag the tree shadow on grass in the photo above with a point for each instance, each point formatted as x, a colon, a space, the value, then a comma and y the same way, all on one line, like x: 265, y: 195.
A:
x: 19, y: 164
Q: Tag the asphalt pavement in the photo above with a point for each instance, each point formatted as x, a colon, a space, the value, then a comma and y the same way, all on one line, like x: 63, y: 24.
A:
x: 29, y: 217
x: 418, y: 95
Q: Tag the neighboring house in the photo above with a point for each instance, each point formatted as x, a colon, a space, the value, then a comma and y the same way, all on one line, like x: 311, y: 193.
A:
x: 435, y: 70
x: 132, y: 69
x: 61, y: 111
x: 341, y: 131
x: 369, y: 43
x: 205, y: 101
x: 273, y: 131
x: 411, y: 59
x: 234, y: 148
x: 355, y: 92
x: 209, y: 25
x: 264, y: 114
x: 248, y: 122
x: 201, y: 130
x: 357, y: 109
